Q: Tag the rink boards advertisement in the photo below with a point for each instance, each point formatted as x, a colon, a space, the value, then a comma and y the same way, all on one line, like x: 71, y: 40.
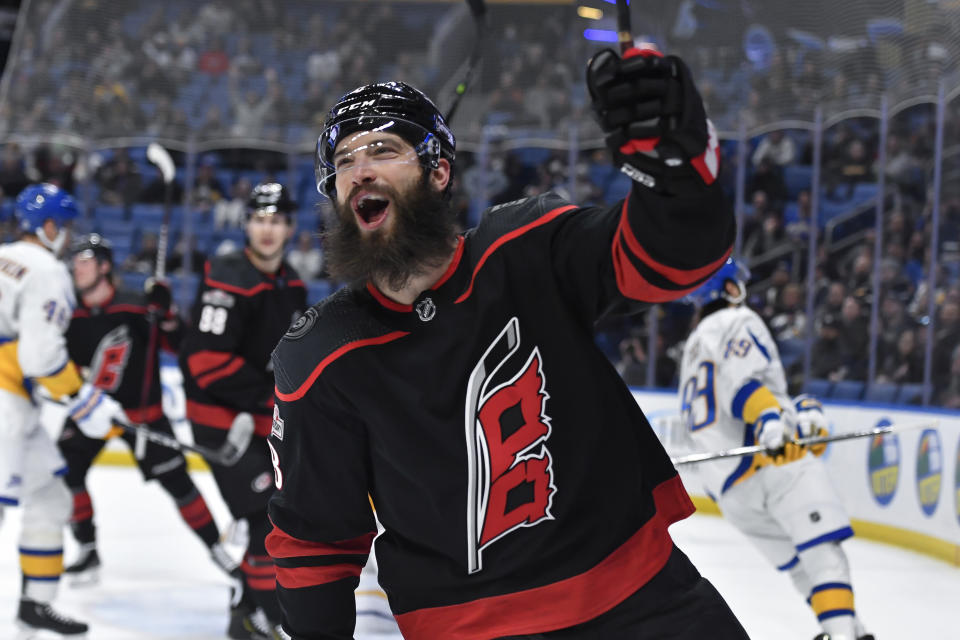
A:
x: 901, y: 487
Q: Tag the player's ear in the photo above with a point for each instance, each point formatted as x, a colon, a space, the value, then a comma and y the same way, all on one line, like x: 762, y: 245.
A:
x: 440, y: 176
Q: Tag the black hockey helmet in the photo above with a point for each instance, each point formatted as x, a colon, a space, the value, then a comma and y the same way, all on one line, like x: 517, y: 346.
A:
x: 93, y: 245
x: 394, y: 107
x: 271, y: 197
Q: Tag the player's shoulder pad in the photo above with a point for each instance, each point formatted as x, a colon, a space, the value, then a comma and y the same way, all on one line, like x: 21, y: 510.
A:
x: 315, y: 338
x: 520, y: 212
x: 232, y: 271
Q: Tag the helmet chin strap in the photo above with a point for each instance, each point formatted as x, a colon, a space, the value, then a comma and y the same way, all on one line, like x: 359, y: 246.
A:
x: 741, y: 293
x: 54, y: 245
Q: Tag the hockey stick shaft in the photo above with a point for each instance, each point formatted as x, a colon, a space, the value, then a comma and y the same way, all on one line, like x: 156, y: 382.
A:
x: 624, y: 29
x: 238, y: 438
x: 814, y: 440
x: 478, y: 9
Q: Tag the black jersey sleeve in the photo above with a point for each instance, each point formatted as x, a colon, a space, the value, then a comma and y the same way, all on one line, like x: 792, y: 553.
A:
x: 648, y: 248
x: 321, y: 512
x: 210, y: 352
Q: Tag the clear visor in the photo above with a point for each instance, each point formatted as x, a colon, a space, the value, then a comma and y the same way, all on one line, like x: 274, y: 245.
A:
x: 371, y: 143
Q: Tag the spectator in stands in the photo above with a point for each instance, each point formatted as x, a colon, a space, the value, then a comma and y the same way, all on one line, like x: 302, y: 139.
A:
x: 243, y: 61
x: 850, y: 168
x: 249, y: 111
x: 789, y: 320
x: 860, y: 279
x: 230, y: 213
x: 119, y: 179
x: 215, y: 18
x: 949, y: 395
x: 833, y: 301
x: 214, y: 60
x: 764, y: 239
x: 777, y: 148
x: 155, y: 191
x: 946, y: 337
x: 13, y: 178
x: 177, y: 264
x: 855, y: 336
x: 796, y: 221
x: 207, y: 190
x: 893, y: 278
x: 828, y: 357
x: 144, y: 260
x: 306, y: 256
x: 768, y: 178
x: 905, y: 363
x: 212, y: 125
x: 902, y: 166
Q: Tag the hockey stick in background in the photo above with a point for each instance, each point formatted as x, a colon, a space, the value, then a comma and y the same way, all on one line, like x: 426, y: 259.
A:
x: 478, y: 8
x: 160, y: 158
x: 238, y: 439
x: 813, y: 440
x: 624, y: 30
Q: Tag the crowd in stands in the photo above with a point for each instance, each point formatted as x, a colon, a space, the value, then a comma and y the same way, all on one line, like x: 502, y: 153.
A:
x: 247, y: 70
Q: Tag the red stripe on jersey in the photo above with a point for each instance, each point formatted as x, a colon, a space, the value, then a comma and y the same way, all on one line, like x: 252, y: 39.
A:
x: 145, y: 414
x: 633, y: 285
x: 387, y: 302
x: 451, y: 269
x: 262, y: 584
x: 196, y: 514
x: 350, y: 346
x: 507, y: 237
x: 128, y: 308
x: 210, y: 415
x: 216, y: 284
x: 567, y: 602
x: 260, y: 572
x: 207, y: 379
x: 204, y: 361
x: 281, y: 544
x: 677, y: 276
x: 297, y: 578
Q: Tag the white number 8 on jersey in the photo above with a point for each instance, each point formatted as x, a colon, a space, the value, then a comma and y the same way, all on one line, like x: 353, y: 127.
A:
x: 213, y: 320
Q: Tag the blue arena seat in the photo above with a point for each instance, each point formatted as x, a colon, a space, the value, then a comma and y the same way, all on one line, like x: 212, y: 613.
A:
x: 818, y: 387
x: 910, y: 393
x: 847, y: 390
x: 881, y: 392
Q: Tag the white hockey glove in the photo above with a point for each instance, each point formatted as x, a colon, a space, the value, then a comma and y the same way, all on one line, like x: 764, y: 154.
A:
x: 94, y: 411
x: 772, y: 430
x: 811, y: 421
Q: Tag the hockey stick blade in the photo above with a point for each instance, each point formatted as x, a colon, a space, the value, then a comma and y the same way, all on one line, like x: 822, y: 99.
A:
x: 160, y: 157
x: 737, y: 452
x: 225, y: 456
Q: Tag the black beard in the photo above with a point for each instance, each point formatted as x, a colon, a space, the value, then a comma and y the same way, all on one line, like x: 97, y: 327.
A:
x: 421, y: 238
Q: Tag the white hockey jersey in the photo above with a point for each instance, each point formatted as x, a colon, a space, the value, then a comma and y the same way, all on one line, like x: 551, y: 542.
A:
x: 36, y: 303
x: 730, y: 371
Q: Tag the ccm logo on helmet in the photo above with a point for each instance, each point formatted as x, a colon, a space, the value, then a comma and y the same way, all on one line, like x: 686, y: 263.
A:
x: 355, y: 106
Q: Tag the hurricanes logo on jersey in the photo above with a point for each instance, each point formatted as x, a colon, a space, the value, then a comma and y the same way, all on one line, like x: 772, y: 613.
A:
x: 110, y: 359
x: 510, y: 471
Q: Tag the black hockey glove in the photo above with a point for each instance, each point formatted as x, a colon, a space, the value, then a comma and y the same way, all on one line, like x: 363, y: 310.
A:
x: 653, y: 119
x: 159, y: 297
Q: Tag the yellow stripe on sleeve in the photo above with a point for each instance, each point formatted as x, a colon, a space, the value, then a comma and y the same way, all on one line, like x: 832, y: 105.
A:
x: 65, y: 382
x: 829, y: 600
x: 11, y: 378
x: 758, y: 402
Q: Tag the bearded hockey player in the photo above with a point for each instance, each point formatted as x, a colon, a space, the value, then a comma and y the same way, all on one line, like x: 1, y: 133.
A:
x: 245, y: 303
x: 457, y: 384
x: 110, y: 337
x: 733, y: 393
x: 36, y: 302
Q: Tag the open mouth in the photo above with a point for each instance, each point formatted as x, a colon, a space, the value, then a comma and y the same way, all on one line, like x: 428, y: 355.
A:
x: 370, y: 209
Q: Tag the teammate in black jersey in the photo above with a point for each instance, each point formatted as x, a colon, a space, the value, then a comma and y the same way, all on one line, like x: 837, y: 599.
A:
x: 457, y: 384
x: 245, y: 303
x: 109, y: 336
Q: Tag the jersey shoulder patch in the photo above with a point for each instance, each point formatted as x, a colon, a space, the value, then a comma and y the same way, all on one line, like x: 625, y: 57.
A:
x: 318, y: 337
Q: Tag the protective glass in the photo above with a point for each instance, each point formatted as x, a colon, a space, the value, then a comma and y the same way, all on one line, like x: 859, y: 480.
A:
x: 371, y: 142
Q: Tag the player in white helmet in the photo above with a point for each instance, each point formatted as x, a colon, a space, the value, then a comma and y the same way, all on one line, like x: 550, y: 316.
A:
x: 733, y: 392
x: 36, y: 302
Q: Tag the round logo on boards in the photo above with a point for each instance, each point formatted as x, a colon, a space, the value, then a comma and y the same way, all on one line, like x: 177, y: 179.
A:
x: 929, y: 470
x: 883, y: 465
x: 956, y: 481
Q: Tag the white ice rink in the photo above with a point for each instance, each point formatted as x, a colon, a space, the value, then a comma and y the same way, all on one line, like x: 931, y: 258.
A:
x: 158, y: 584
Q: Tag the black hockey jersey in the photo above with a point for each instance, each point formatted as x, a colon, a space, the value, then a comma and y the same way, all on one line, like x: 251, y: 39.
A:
x: 112, y: 341
x: 239, y: 315
x: 520, y: 486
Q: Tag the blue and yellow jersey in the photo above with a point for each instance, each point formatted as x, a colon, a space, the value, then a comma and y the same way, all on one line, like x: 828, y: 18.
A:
x: 36, y: 302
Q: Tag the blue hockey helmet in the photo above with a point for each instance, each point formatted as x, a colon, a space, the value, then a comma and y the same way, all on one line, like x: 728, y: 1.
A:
x: 715, y: 288
x: 41, y: 202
